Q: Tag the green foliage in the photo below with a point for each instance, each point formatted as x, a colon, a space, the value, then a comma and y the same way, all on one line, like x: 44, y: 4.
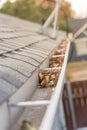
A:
x: 26, y: 9
x: 64, y: 25
x: 29, y: 10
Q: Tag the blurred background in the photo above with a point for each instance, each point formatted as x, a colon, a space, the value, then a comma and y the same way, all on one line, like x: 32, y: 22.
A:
x: 72, y: 18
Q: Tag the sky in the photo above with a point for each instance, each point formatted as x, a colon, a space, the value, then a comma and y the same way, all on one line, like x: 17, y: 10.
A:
x: 79, y: 7
x: 3, y: 1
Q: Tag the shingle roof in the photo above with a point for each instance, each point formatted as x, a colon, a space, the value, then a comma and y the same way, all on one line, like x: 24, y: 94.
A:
x: 22, y: 50
x: 76, y: 24
x: 82, y: 35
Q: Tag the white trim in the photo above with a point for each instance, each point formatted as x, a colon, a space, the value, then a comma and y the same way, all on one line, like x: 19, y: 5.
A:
x: 80, y: 31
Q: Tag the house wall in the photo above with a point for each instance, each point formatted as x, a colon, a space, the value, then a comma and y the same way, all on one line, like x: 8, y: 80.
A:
x: 81, y: 46
x: 78, y: 50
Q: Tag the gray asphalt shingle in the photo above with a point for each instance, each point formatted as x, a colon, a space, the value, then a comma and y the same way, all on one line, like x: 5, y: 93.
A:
x: 76, y: 24
x: 22, y: 50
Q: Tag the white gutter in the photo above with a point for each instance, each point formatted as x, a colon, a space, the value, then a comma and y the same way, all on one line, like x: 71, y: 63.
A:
x: 48, y: 122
